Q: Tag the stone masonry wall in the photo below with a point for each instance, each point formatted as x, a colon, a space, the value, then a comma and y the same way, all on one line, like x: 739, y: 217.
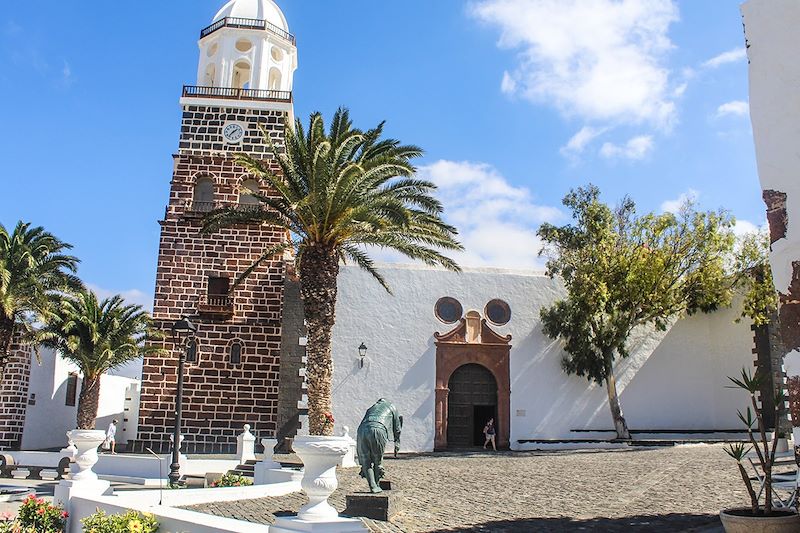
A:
x: 219, y: 396
x: 14, y: 397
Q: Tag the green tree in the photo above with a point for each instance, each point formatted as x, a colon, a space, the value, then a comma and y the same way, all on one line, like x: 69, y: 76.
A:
x: 624, y: 271
x: 34, y: 271
x: 337, y: 194
x: 752, y: 275
x: 97, y: 337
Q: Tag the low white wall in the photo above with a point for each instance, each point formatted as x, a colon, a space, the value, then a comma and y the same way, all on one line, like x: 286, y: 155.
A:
x: 48, y: 418
x: 673, y: 380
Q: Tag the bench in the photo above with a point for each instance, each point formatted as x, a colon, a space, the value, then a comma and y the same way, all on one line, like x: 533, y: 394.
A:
x: 8, y: 467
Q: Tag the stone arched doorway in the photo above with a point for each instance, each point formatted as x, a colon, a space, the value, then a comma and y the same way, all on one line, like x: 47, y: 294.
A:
x: 472, y: 401
x: 472, y: 342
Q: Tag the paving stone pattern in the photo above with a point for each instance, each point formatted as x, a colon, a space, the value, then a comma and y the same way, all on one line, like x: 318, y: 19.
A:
x: 664, y: 489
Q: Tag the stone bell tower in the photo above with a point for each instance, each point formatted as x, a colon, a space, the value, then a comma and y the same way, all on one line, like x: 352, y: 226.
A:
x: 245, y: 73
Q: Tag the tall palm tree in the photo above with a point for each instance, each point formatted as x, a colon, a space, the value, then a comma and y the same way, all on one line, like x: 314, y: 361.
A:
x: 337, y: 194
x: 34, y: 272
x: 97, y: 337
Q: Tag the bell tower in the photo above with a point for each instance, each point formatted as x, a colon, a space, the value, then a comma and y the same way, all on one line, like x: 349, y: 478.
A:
x: 244, y: 83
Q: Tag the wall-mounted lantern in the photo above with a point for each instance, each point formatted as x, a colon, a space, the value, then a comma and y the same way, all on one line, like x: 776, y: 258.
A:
x: 362, y: 353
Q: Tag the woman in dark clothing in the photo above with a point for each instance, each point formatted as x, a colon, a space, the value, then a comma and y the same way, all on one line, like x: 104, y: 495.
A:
x: 489, y: 432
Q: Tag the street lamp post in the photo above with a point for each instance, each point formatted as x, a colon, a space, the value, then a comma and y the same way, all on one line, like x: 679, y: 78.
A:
x: 183, y: 333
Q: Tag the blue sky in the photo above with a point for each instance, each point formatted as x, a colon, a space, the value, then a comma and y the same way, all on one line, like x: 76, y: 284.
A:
x: 514, y: 101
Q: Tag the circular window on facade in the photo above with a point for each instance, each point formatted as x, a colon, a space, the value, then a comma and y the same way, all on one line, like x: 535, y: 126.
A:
x: 277, y: 54
x: 498, y: 312
x: 448, y: 310
x: 243, y: 45
x: 212, y: 50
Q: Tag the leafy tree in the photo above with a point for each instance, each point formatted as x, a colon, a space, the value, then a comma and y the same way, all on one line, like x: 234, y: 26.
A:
x: 751, y: 274
x: 34, y: 271
x: 97, y: 337
x: 337, y: 194
x: 624, y: 271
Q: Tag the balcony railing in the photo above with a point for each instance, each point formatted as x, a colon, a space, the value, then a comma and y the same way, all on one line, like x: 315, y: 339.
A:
x: 215, y: 304
x: 229, y: 93
x: 252, y: 24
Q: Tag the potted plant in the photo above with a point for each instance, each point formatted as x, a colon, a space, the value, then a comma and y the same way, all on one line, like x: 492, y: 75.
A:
x: 758, y: 517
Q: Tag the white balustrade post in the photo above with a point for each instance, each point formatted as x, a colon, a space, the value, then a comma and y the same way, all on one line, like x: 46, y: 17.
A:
x: 246, y: 446
x: 260, y: 472
x: 349, y: 459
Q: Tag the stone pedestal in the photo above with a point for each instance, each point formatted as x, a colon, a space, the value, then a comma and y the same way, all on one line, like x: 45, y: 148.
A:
x: 246, y: 446
x: 333, y: 525
x: 349, y: 459
x: 383, y: 506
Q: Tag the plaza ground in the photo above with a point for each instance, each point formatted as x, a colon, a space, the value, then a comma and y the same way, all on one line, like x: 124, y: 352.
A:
x: 678, y: 488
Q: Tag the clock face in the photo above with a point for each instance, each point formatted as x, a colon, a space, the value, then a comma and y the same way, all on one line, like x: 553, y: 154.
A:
x: 233, y: 133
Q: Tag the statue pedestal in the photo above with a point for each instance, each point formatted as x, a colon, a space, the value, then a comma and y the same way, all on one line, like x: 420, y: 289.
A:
x: 332, y: 525
x: 383, y: 506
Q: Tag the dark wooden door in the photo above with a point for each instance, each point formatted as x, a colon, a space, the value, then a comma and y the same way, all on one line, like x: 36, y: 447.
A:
x: 470, y: 386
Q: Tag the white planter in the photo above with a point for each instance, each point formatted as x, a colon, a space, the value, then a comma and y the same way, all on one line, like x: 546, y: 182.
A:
x: 86, y: 442
x: 320, y: 455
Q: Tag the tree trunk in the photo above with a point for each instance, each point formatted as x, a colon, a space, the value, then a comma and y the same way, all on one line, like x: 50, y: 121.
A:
x: 6, y: 335
x: 319, y: 268
x: 88, y: 402
x: 620, y: 424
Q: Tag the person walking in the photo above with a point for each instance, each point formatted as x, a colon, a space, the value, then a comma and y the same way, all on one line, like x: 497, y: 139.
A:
x: 111, y: 437
x: 489, y: 432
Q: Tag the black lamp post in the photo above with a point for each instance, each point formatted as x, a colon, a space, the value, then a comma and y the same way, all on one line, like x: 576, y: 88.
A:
x: 182, y: 335
x: 362, y: 352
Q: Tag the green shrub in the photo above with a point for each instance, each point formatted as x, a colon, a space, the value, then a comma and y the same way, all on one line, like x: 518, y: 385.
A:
x: 130, y: 522
x: 232, y: 480
x: 36, y: 515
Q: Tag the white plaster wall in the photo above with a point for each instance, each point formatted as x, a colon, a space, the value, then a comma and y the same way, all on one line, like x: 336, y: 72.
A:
x: 771, y: 28
x: 47, y: 422
x: 672, y: 381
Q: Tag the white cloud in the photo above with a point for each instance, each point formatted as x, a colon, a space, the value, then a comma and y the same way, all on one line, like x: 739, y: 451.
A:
x: 577, y: 144
x: 743, y: 227
x: 131, y: 296
x: 636, y: 148
x: 598, y: 60
x: 673, y: 206
x: 731, y: 56
x: 737, y: 108
x: 497, y: 221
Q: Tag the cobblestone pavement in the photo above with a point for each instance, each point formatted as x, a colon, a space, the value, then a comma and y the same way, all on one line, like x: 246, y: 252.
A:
x: 660, y: 489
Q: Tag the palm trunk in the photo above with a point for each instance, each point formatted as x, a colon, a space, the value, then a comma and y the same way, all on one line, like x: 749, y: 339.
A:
x: 88, y: 402
x: 620, y: 425
x: 319, y: 268
x: 6, y: 335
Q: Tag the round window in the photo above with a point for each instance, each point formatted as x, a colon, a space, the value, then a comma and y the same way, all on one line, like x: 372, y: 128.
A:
x: 243, y: 45
x: 277, y: 54
x: 498, y: 312
x: 448, y: 310
x: 212, y: 50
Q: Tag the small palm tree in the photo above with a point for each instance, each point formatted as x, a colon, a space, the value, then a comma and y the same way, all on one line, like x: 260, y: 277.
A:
x: 34, y: 271
x: 97, y: 337
x: 337, y: 194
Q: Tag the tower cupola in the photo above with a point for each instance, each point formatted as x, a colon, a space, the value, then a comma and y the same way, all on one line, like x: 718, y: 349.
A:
x: 248, y: 47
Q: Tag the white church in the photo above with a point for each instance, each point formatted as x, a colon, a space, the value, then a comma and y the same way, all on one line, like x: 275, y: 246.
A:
x: 449, y: 350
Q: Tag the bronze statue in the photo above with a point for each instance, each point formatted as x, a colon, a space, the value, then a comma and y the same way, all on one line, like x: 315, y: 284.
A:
x: 373, y: 434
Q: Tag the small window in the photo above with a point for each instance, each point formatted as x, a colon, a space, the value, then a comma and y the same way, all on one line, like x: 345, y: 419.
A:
x: 498, y: 312
x: 245, y: 198
x: 212, y: 50
x: 72, y: 389
x: 191, y: 352
x: 277, y: 54
x: 274, y: 79
x: 211, y: 75
x: 243, y: 45
x: 448, y: 310
x: 236, y: 353
x: 203, y: 200
x: 241, y: 75
x: 218, y: 286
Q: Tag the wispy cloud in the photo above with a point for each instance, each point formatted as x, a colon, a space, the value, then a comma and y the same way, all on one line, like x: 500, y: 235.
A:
x: 673, y: 206
x: 131, y: 296
x: 601, y: 60
x: 737, y: 108
x: 496, y: 220
x: 578, y: 142
x: 731, y: 56
x: 635, y: 149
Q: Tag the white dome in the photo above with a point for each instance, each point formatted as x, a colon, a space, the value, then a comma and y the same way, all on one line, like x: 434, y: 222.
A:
x: 254, y: 9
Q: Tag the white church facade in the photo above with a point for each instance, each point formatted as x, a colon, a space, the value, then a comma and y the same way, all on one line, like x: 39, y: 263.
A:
x: 449, y: 350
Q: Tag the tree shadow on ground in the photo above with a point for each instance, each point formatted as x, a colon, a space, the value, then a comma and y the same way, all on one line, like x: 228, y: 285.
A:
x: 669, y: 522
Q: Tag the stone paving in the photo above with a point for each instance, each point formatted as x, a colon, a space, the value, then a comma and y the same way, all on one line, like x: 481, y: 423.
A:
x: 641, y: 489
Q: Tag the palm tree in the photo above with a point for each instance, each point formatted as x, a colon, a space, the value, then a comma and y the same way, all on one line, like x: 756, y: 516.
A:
x: 338, y: 194
x: 34, y: 272
x: 97, y: 337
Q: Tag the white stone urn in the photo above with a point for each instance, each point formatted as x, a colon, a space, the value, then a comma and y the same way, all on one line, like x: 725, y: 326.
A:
x: 320, y: 455
x: 86, y: 442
